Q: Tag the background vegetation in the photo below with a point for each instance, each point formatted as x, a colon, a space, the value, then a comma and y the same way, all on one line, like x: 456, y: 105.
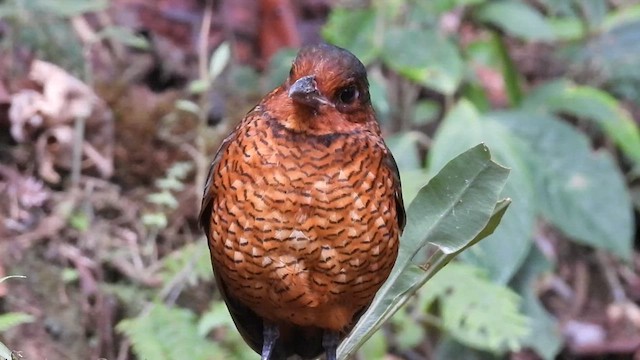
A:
x: 103, y: 158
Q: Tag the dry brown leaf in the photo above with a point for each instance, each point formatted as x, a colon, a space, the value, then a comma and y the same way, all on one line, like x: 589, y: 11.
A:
x: 50, y: 116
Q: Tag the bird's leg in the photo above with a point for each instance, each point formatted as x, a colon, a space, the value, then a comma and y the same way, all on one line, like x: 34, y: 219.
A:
x: 270, y: 334
x: 330, y: 342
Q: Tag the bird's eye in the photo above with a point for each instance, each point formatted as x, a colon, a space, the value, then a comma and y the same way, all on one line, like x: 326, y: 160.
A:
x: 348, y: 95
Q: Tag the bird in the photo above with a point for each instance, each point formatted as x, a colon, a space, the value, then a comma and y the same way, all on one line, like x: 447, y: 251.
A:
x: 303, y: 209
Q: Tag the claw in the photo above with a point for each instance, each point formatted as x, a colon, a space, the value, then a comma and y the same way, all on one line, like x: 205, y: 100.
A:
x: 270, y: 335
x: 330, y: 342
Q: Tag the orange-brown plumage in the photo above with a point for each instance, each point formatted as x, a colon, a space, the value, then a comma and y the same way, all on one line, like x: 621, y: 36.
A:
x: 303, y: 208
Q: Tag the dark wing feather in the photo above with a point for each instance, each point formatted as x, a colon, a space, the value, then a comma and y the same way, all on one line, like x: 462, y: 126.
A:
x: 247, y: 322
x: 390, y: 162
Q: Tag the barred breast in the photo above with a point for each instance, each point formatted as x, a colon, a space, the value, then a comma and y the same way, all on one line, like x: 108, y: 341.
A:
x: 303, y: 229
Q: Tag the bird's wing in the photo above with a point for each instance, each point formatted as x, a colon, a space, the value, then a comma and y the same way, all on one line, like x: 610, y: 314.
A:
x: 248, y: 323
x: 390, y: 162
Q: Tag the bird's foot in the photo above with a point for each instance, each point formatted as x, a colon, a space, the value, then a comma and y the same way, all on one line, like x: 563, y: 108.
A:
x: 330, y: 342
x: 270, y: 335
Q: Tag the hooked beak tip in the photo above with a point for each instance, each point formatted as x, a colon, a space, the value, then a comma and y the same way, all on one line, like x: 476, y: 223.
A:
x: 305, y: 91
x: 304, y: 86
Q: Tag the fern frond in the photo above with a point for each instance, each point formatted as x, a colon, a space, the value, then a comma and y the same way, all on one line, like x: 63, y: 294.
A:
x: 475, y: 311
x: 166, y: 333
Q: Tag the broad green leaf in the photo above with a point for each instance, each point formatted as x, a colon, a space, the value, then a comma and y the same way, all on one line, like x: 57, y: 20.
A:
x: 425, y: 112
x: 353, y: 29
x: 375, y: 347
x: 593, y: 12
x: 451, y: 212
x: 460, y: 129
x: 567, y: 28
x: 612, y: 57
x: 580, y: 191
x: 592, y: 104
x: 408, y: 332
x: 455, y: 205
x: 516, y: 18
x: 404, y: 148
x: 503, y: 252
x: 412, y: 182
x: 425, y: 57
x: 545, y: 337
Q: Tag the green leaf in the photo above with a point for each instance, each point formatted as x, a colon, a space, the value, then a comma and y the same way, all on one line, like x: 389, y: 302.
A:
x: 70, y: 8
x: 404, y: 147
x: 425, y: 112
x: 408, y: 332
x: 188, y: 106
x: 155, y: 220
x: 375, y: 347
x: 516, y: 18
x: 190, y: 263
x: 166, y: 333
x: 622, y: 16
x: 353, y: 29
x: 124, y: 36
x: 475, y: 311
x: 163, y: 197
x: 451, y: 213
x: 219, y: 59
x: 279, y: 66
x: 79, y: 221
x: 592, y: 104
x: 9, y: 320
x: 593, y: 12
x: 412, y: 182
x: 504, y: 251
x: 580, y: 191
x: 449, y: 5
x: 198, y: 86
x: 379, y: 96
x: 510, y: 73
x: 424, y: 57
x: 545, y: 337
x: 216, y: 317
x: 612, y: 58
x: 469, y: 186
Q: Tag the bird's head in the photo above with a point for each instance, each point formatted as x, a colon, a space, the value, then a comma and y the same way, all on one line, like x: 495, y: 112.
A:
x: 327, y: 91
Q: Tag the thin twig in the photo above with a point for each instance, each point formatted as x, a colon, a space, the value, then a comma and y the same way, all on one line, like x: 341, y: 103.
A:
x: 203, y: 54
x: 617, y: 290
x: 78, y: 140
